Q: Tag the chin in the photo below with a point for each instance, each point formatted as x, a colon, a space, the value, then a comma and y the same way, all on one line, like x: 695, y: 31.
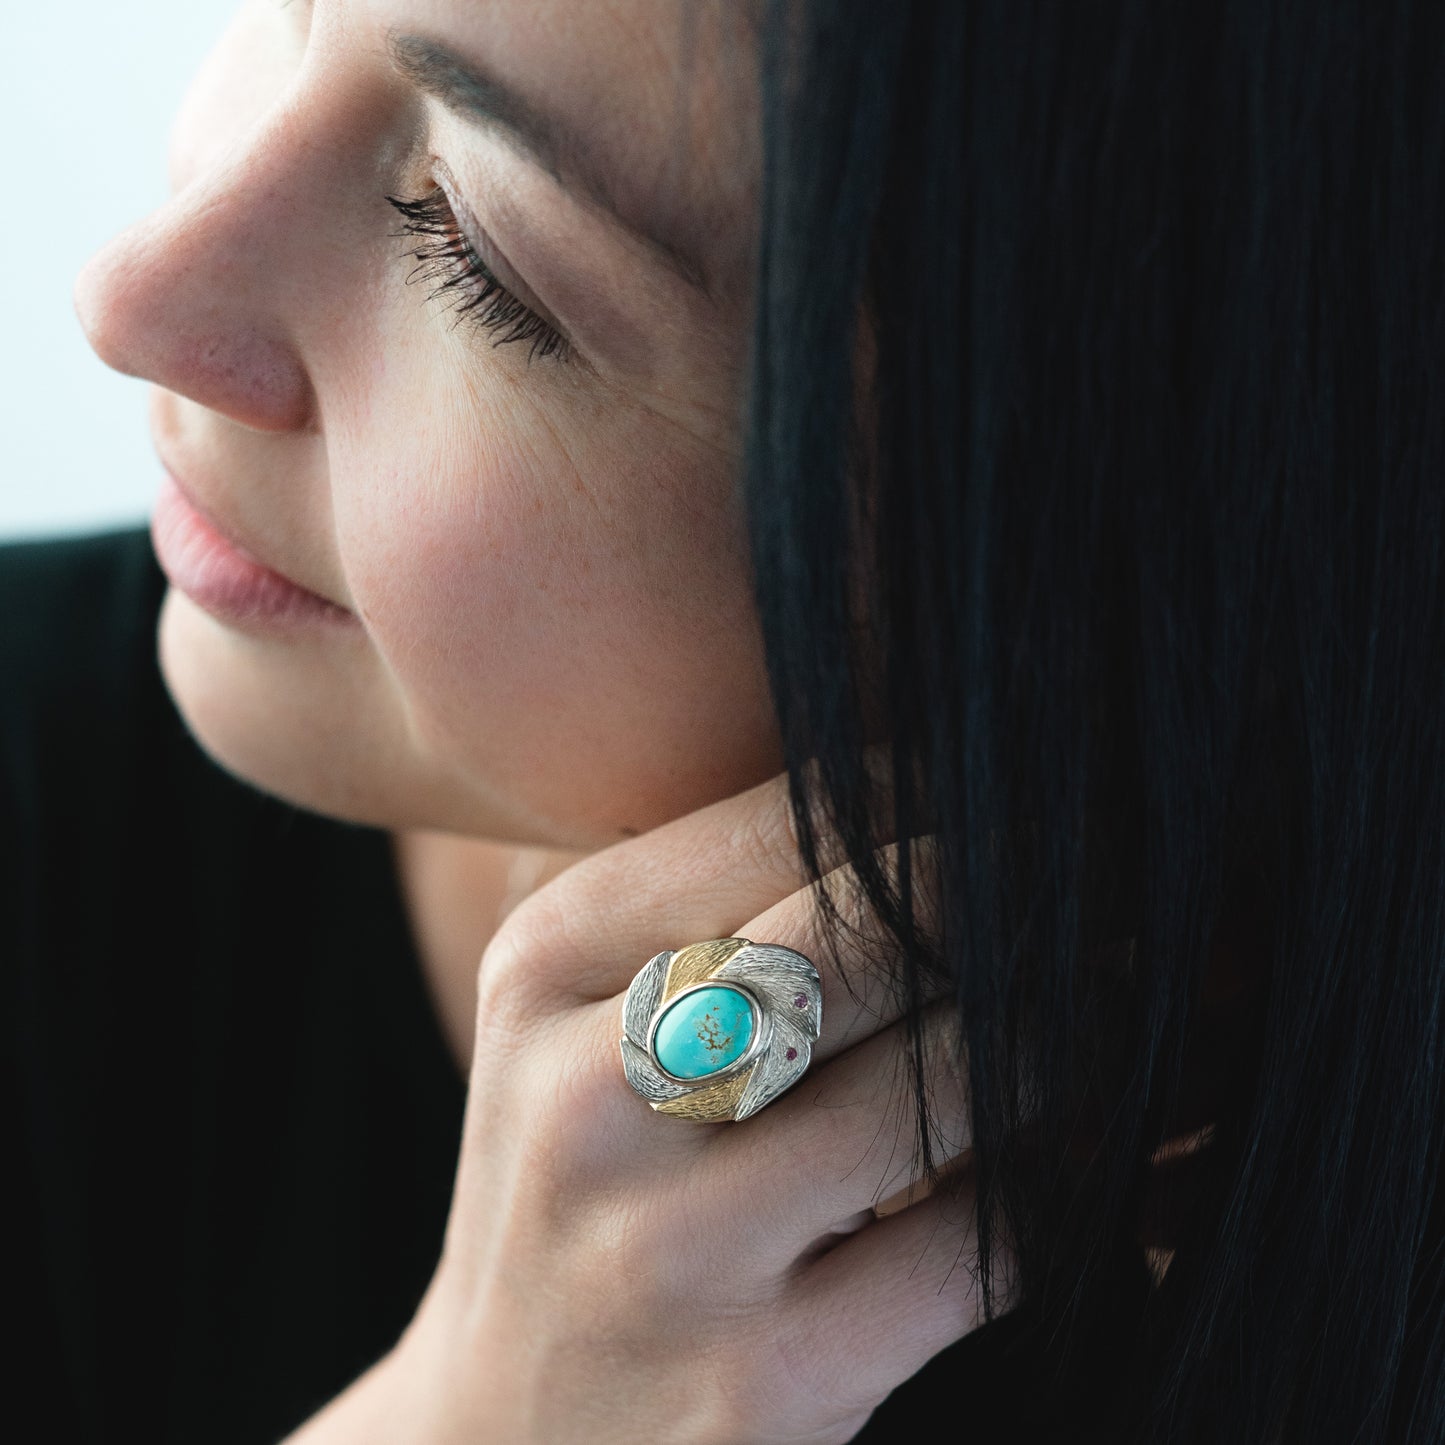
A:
x: 267, y: 711
x: 319, y: 724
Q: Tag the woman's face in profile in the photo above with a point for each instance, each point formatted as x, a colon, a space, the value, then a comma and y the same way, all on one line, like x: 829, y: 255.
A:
x: 525, y: 497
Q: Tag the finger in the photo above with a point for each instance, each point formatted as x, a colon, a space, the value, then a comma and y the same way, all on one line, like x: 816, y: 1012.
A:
x: 860, y: 994
x: 918, y: 1188
x: 877, y: 1307
x: 845, y: 1138
x: 1177, y: 1190
x: 698, y: 877
x: 856, y: 957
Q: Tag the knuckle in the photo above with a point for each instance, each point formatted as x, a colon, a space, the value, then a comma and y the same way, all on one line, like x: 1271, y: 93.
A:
x: 765, y: 836
x: 526, y: 963
x: 502, y: 979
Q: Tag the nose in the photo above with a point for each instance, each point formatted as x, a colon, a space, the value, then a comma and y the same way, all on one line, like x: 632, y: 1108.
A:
x: 196, y: 297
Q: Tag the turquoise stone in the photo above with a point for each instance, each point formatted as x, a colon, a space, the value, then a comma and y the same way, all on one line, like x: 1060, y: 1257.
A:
x: 703, y: 1031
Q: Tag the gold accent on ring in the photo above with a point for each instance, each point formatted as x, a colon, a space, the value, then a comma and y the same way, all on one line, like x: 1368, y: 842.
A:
x: 697, y: 963
x: 712, y: 1105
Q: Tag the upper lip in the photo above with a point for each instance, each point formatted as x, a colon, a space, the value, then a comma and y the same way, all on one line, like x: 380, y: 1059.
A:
x: 226, y: 530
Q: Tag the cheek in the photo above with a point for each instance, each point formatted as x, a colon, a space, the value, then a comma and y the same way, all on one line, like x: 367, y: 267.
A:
x: 587, y: 646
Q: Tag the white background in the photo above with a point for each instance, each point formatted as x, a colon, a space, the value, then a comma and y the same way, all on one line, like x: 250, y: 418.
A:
x: 89, y: 92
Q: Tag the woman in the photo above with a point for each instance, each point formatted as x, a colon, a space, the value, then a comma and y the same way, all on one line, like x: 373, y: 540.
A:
x: 1078, y: 624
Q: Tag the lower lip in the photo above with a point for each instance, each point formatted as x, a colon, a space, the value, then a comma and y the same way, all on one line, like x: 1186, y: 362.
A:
x: 229, y: 583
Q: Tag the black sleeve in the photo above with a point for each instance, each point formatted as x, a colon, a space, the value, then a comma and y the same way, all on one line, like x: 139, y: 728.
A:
x: 76, y: 617
x: 233, y: 1121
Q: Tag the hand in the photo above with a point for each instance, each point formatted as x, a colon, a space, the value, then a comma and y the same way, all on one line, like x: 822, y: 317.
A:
x: 614, y: 1274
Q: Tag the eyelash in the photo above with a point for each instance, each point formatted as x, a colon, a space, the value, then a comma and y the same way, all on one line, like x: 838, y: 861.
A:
x: 460, y: 274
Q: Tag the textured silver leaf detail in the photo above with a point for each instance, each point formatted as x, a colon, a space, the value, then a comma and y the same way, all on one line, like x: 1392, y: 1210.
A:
x: 643, y: 995
x: 645, y: 1077
x: 775, y: 1072
x: 781, y: 977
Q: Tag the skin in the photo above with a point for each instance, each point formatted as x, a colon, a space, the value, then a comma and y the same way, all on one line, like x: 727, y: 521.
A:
x: 614, y: 1275
x: 557, y: 647
x: 552, y: 648
x: 550, y: 692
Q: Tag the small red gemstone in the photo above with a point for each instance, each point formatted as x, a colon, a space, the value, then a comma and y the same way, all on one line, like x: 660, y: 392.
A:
x: 801, y: 1001
x: 792, y: 1054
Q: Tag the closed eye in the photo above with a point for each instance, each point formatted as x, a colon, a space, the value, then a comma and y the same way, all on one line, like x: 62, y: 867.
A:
x: 449, y: 260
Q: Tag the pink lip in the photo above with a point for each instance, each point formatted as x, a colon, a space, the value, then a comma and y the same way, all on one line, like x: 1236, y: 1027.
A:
x: 225, y: 579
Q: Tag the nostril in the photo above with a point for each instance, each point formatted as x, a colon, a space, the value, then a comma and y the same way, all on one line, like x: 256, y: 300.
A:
x: 149, y: 307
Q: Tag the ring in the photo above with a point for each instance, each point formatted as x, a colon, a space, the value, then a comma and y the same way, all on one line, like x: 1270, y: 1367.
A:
x: 716, y: 1030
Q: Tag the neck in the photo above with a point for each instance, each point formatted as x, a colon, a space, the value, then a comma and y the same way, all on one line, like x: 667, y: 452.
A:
x: 457, y: 891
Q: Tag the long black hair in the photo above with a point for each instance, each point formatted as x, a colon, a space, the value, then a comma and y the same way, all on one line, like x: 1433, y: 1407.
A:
x: 1096, y: 461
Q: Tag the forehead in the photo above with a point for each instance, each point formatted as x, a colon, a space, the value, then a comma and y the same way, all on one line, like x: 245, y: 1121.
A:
x: 660, y: 96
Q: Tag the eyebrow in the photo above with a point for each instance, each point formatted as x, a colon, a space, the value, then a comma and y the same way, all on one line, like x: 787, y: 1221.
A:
x: 480, y: 98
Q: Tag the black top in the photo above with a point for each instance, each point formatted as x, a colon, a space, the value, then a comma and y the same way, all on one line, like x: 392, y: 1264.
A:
x: 233, y: 1117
